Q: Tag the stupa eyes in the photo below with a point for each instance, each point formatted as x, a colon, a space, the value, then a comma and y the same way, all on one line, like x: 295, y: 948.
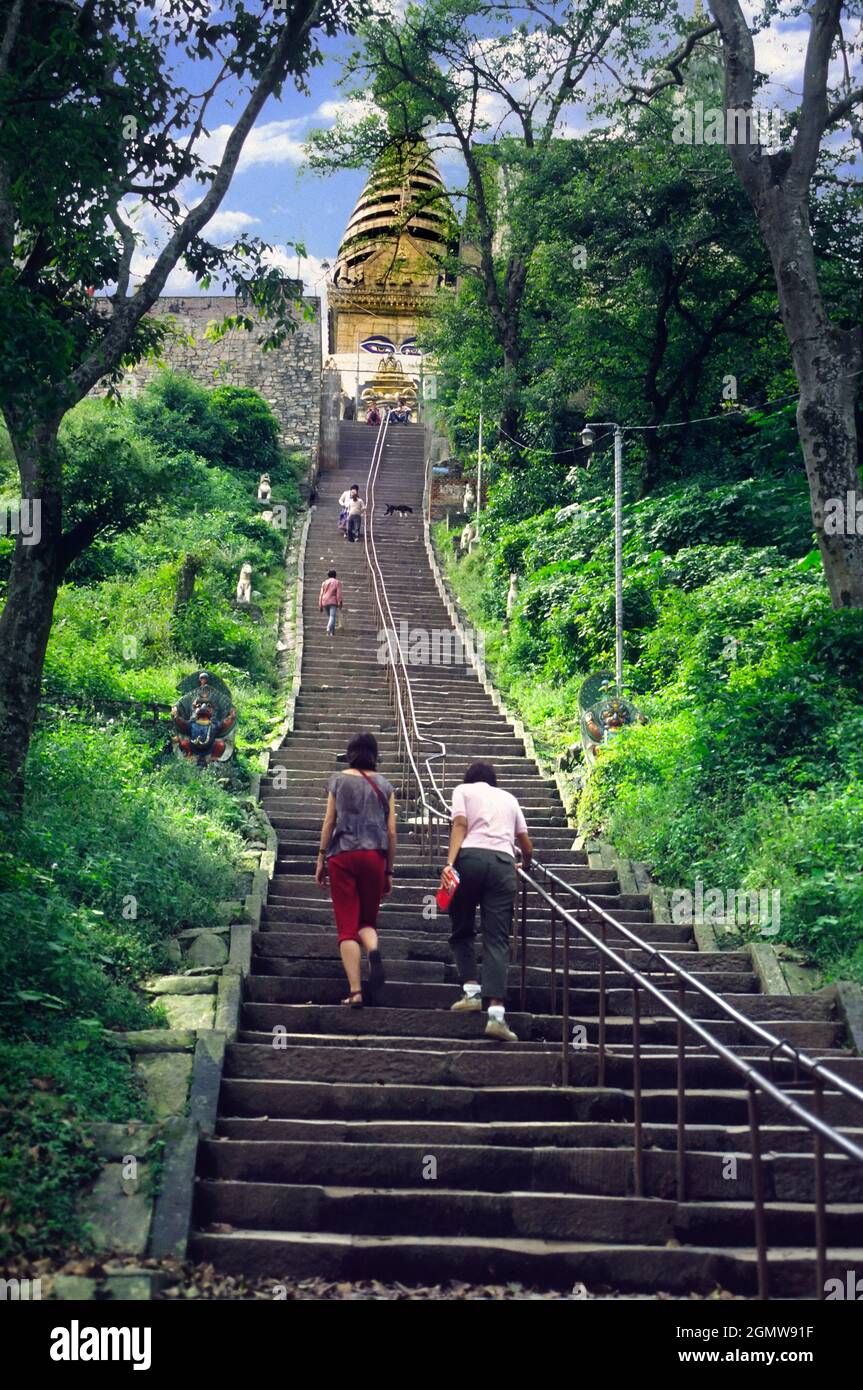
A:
x: 377, y: 343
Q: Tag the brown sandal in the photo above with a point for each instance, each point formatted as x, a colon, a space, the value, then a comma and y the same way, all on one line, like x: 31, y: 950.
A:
x: 351, y: 1001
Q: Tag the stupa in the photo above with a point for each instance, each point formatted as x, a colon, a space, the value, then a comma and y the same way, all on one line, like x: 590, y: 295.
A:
x: 389, y: 267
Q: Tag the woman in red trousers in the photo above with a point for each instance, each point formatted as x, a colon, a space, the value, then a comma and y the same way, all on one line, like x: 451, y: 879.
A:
x: 358, y: 846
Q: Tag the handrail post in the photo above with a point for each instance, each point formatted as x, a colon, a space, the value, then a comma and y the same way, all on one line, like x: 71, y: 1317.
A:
x: 820, y: 1197
x: 523, y: 983
x: 637, y: 1137
x: 565, y: 1027
x: 600, y: 1075
x: 681, y: 1095
x: 757, y: 1191
x: 553, y: 982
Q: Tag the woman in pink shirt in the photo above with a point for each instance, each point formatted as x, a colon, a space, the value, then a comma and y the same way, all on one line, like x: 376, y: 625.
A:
x: 487, y: 824
x: 331, y: 599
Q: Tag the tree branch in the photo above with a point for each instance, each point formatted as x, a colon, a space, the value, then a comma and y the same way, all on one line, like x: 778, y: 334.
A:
x: 107, y: 354
x: 673, y: 64
x: 813, y: 108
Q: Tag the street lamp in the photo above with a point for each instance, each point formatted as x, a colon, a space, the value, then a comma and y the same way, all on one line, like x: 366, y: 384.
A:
x: 587, y: 438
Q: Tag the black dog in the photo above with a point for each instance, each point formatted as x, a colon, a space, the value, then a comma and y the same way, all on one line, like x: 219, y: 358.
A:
x: 402, y: 511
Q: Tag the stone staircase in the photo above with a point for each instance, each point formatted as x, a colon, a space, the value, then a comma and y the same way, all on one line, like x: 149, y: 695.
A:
x: 399, y: 1143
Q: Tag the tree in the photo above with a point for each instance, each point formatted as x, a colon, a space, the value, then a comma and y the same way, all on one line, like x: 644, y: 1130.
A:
x: 93, y: 116
x: 646, y: 286
x: 494, y: 82
x: 827, y: 354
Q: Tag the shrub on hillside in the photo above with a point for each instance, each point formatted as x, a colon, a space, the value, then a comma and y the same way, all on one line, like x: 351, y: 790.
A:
x: 176, y: 413
x: 251, y: 429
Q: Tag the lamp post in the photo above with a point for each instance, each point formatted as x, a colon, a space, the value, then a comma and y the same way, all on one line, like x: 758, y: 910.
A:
x: 587, y: 438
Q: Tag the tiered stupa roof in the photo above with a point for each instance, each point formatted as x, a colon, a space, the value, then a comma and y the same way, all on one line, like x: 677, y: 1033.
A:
x: 397, y: 235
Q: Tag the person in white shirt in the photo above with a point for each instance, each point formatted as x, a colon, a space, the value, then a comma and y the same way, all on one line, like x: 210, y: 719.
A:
x: 487, y: 824
x: 355, y: 509
x: 344, y: 500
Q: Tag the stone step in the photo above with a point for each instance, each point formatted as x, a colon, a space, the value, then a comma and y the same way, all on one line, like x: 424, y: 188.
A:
x: 436, y: 1209
x: 574, y: 1134
x: 540, y: 977
x: 286, y: 917
x: 492, y: 1065
x: 548, y: 1264
x: 466, y: 1100
x: 274, y: 951
x: 605, y: 1172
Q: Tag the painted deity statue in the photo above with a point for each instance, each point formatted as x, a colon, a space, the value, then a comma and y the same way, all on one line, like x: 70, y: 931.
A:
x: 205, y: 718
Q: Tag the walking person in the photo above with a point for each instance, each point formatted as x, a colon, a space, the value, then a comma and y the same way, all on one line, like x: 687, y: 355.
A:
x: 487, y: 824
x: 330, y: 599
x: 356, y: 508
x: 358, y: 848
x: 343, y: 508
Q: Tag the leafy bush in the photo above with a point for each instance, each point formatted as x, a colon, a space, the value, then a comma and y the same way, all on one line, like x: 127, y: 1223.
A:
x: 89, y: 901
x: 749, y: 773
x: 250, y: 427
x: 175, y: 411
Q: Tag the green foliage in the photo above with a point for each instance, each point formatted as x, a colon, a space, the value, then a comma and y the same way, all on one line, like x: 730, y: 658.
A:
x: 89, y: 901
x: 749, y: 774
x: 251, y: 429
x: 175, y: 411
x: 50, y: 1093
x: 87, y: 904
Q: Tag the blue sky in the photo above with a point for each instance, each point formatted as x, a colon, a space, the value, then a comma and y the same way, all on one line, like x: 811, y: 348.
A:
x: 274, y: 197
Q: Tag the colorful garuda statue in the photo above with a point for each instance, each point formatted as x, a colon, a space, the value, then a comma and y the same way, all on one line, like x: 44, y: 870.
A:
x: 206, y: 720
x: 603, y: 713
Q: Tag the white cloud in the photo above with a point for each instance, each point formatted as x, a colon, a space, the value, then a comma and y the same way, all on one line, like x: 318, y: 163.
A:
x: 313, y: 270
x: 228, y: 224
x: 349, y: 109
x: 274, y: 142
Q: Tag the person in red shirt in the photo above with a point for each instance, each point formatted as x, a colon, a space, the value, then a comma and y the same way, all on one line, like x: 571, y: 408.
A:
x: 330, y: 600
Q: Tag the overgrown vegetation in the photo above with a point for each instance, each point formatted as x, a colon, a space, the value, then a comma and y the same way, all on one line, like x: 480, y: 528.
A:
x: 750, y: 772
x: 121, y: 845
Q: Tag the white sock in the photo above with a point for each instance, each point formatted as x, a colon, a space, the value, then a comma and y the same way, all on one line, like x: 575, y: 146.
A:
x: 472, y: 990
x: 496, y: 1011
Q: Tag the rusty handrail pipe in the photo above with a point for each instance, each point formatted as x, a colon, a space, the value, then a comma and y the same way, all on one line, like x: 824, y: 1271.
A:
x: 377, y: 573
x: 396, y: 656
x: 390, y: 633
x: 739, y: 1064
x: 799, y: 1058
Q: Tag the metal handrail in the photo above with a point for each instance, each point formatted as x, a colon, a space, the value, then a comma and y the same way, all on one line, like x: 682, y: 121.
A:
x: 398, y: 679
x: 755, y: 1082
x: 800, y: 1059
x: 372, y: 480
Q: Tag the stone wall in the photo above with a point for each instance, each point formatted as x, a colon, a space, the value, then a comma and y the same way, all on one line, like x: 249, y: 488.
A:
x: 288, y: 377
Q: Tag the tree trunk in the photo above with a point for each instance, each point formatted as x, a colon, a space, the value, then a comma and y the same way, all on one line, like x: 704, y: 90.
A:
x: 25, y: 623
x: 510, y: 411
x: 186, y: 581
x: 825, y: 360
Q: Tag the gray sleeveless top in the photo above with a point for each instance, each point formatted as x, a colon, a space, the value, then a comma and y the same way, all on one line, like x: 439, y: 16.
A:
x: 361, y: 821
